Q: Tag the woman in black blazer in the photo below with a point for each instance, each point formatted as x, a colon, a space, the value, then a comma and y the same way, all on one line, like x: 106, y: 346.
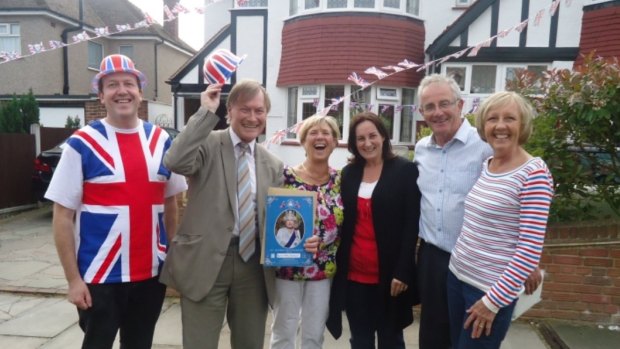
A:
x: 375, y: 278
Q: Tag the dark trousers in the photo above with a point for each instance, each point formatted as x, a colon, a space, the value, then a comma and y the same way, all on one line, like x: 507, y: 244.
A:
x: 365, y: 318
x: 434, y: 316
x: 132, y: 307
x: 462, y: 296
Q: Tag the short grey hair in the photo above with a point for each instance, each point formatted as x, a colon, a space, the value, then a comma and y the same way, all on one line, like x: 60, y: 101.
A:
x: 437, y: 78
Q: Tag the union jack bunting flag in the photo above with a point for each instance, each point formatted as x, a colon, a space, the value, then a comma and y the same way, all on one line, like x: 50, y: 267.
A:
x: 120, y: 233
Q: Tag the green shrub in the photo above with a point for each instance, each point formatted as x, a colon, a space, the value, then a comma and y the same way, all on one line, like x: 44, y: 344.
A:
x: 72, y: 122
x: 18, y: 114
x: 578, y: 109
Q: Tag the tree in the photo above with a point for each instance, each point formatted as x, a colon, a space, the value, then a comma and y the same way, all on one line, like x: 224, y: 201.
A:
x: 72, y: 122
x: 18, y: 114
x: 579, y: 110
x: 11, y: 118
x: 30, y: 110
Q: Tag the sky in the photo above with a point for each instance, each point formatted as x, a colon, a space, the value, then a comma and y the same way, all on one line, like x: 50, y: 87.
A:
x: 191, y: 26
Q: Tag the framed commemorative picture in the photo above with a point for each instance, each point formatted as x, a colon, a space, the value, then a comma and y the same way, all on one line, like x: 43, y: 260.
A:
x: 289, y: 222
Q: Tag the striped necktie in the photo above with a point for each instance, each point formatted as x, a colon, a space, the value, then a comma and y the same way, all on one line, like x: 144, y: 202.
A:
x: 247, y: 220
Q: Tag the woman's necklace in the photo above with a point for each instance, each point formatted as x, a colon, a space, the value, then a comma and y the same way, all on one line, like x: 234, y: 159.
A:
x: 318, y: 180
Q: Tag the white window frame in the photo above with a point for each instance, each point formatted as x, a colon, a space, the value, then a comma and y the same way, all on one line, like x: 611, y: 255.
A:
x: 385, y: 94
x: 96, y: 67
x: 500, y: 75
x: 462, y: 3
x: 298, y: 7
x: 10, y: 34
x: 305, y: 93
x: 251, y: 4
x: 375, y: 99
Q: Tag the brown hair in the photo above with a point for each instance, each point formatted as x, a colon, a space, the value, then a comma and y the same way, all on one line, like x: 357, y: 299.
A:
x: 357, y: 158
x: 245, y: 90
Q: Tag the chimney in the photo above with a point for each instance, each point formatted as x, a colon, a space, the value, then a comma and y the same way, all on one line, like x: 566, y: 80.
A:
x: 171, y: 27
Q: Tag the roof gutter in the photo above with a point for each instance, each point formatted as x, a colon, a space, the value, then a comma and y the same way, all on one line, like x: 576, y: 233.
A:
x: 65, y: 49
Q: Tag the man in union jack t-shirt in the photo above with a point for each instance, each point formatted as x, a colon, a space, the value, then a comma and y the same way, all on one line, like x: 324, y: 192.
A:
x: 114, y: 212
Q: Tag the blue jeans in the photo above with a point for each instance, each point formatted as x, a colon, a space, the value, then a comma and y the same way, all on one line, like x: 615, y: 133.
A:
x: 365, y: 317
x: 462, y: 296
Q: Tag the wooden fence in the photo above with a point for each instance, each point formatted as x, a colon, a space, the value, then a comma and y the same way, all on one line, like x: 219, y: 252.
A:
x: 17, y: 154
x: 16, y: 165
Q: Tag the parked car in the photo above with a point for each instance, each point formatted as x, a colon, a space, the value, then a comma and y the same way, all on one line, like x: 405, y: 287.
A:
x: 598, y: 164
x: 46, y: 162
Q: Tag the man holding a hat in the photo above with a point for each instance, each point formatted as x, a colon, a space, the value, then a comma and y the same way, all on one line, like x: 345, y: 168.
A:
x: 114, y: 213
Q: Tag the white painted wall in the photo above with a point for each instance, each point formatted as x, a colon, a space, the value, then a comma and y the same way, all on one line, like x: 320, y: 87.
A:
x: 437, y: 15
x: 509, y: 16
x: 57, y: 117
x: 161, y: 114
x: 569, y: 24
x: 217, y: 15
x: 250, y: 36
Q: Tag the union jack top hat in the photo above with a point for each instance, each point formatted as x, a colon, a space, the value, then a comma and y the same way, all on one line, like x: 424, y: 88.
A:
x: 220, y: 65
x: 117, y: 64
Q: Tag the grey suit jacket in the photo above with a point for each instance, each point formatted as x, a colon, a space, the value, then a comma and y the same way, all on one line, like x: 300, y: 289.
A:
x: 207, y: 157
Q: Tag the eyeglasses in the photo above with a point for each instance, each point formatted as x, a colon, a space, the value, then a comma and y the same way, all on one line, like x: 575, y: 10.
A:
x: 443, y: 106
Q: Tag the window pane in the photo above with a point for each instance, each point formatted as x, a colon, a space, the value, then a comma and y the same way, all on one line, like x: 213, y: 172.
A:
x: 252, y: 3
x: 311, y: 4
x: 126, y: 50
x: 406, y: 115
x: 483, y: 79
x: 537, y: 70
x: 291, y: 115
x: 308, y: 109
x: 413, y: 7
x: 334, y: 92
x: 364, y: 3
x: 9, y: 38
x: 458, y: 74
x: 95, y: 55
x: 360, y: 100
x: 386, y: 114
x: 336, y: 3
x: 391, y: 3
x: 292, y: 7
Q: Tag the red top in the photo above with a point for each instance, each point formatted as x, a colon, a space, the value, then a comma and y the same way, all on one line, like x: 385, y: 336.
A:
x: 364, y: 260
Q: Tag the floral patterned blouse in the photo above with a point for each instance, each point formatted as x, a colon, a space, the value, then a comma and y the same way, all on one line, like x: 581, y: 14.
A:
x: 327, y: 226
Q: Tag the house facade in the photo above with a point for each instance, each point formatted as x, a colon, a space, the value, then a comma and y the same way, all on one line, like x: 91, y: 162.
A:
x: 61, y: 78
x: 303, y: 51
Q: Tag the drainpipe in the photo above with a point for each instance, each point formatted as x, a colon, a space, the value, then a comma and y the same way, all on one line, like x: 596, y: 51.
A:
x: 65, y: 50
x: 175, y: 96
x: 156, y: 90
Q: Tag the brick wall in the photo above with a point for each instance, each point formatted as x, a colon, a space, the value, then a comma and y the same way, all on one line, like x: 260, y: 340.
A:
x: 94, y: 110
x: 582, y: 281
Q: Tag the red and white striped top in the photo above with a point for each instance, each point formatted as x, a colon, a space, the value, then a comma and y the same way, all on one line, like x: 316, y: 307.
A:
x: 503, y: 231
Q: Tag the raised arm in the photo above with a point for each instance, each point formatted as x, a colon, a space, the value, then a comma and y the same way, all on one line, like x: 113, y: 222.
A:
x: 187, y: 153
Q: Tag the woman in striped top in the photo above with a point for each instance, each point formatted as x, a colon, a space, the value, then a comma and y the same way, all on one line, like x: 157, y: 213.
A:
x: 504, y: 227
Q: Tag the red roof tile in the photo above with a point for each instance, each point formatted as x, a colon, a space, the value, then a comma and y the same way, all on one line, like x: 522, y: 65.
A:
x: 327, y: 48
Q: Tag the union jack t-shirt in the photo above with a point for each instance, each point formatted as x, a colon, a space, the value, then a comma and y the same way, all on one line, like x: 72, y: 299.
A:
x: 116, y: 182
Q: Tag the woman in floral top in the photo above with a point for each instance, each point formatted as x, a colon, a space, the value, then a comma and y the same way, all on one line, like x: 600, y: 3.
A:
x: 303, y: 292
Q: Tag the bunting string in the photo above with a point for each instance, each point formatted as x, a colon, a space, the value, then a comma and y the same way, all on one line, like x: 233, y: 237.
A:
x: 404, y: 65
x: 382, y: 73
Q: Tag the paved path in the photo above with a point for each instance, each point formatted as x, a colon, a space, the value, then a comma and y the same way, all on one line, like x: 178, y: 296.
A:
x: 35, y: 314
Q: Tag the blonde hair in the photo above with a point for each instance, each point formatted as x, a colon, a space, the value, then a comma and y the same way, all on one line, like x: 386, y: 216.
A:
x: 503, y: 98
x: 316, y: 120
